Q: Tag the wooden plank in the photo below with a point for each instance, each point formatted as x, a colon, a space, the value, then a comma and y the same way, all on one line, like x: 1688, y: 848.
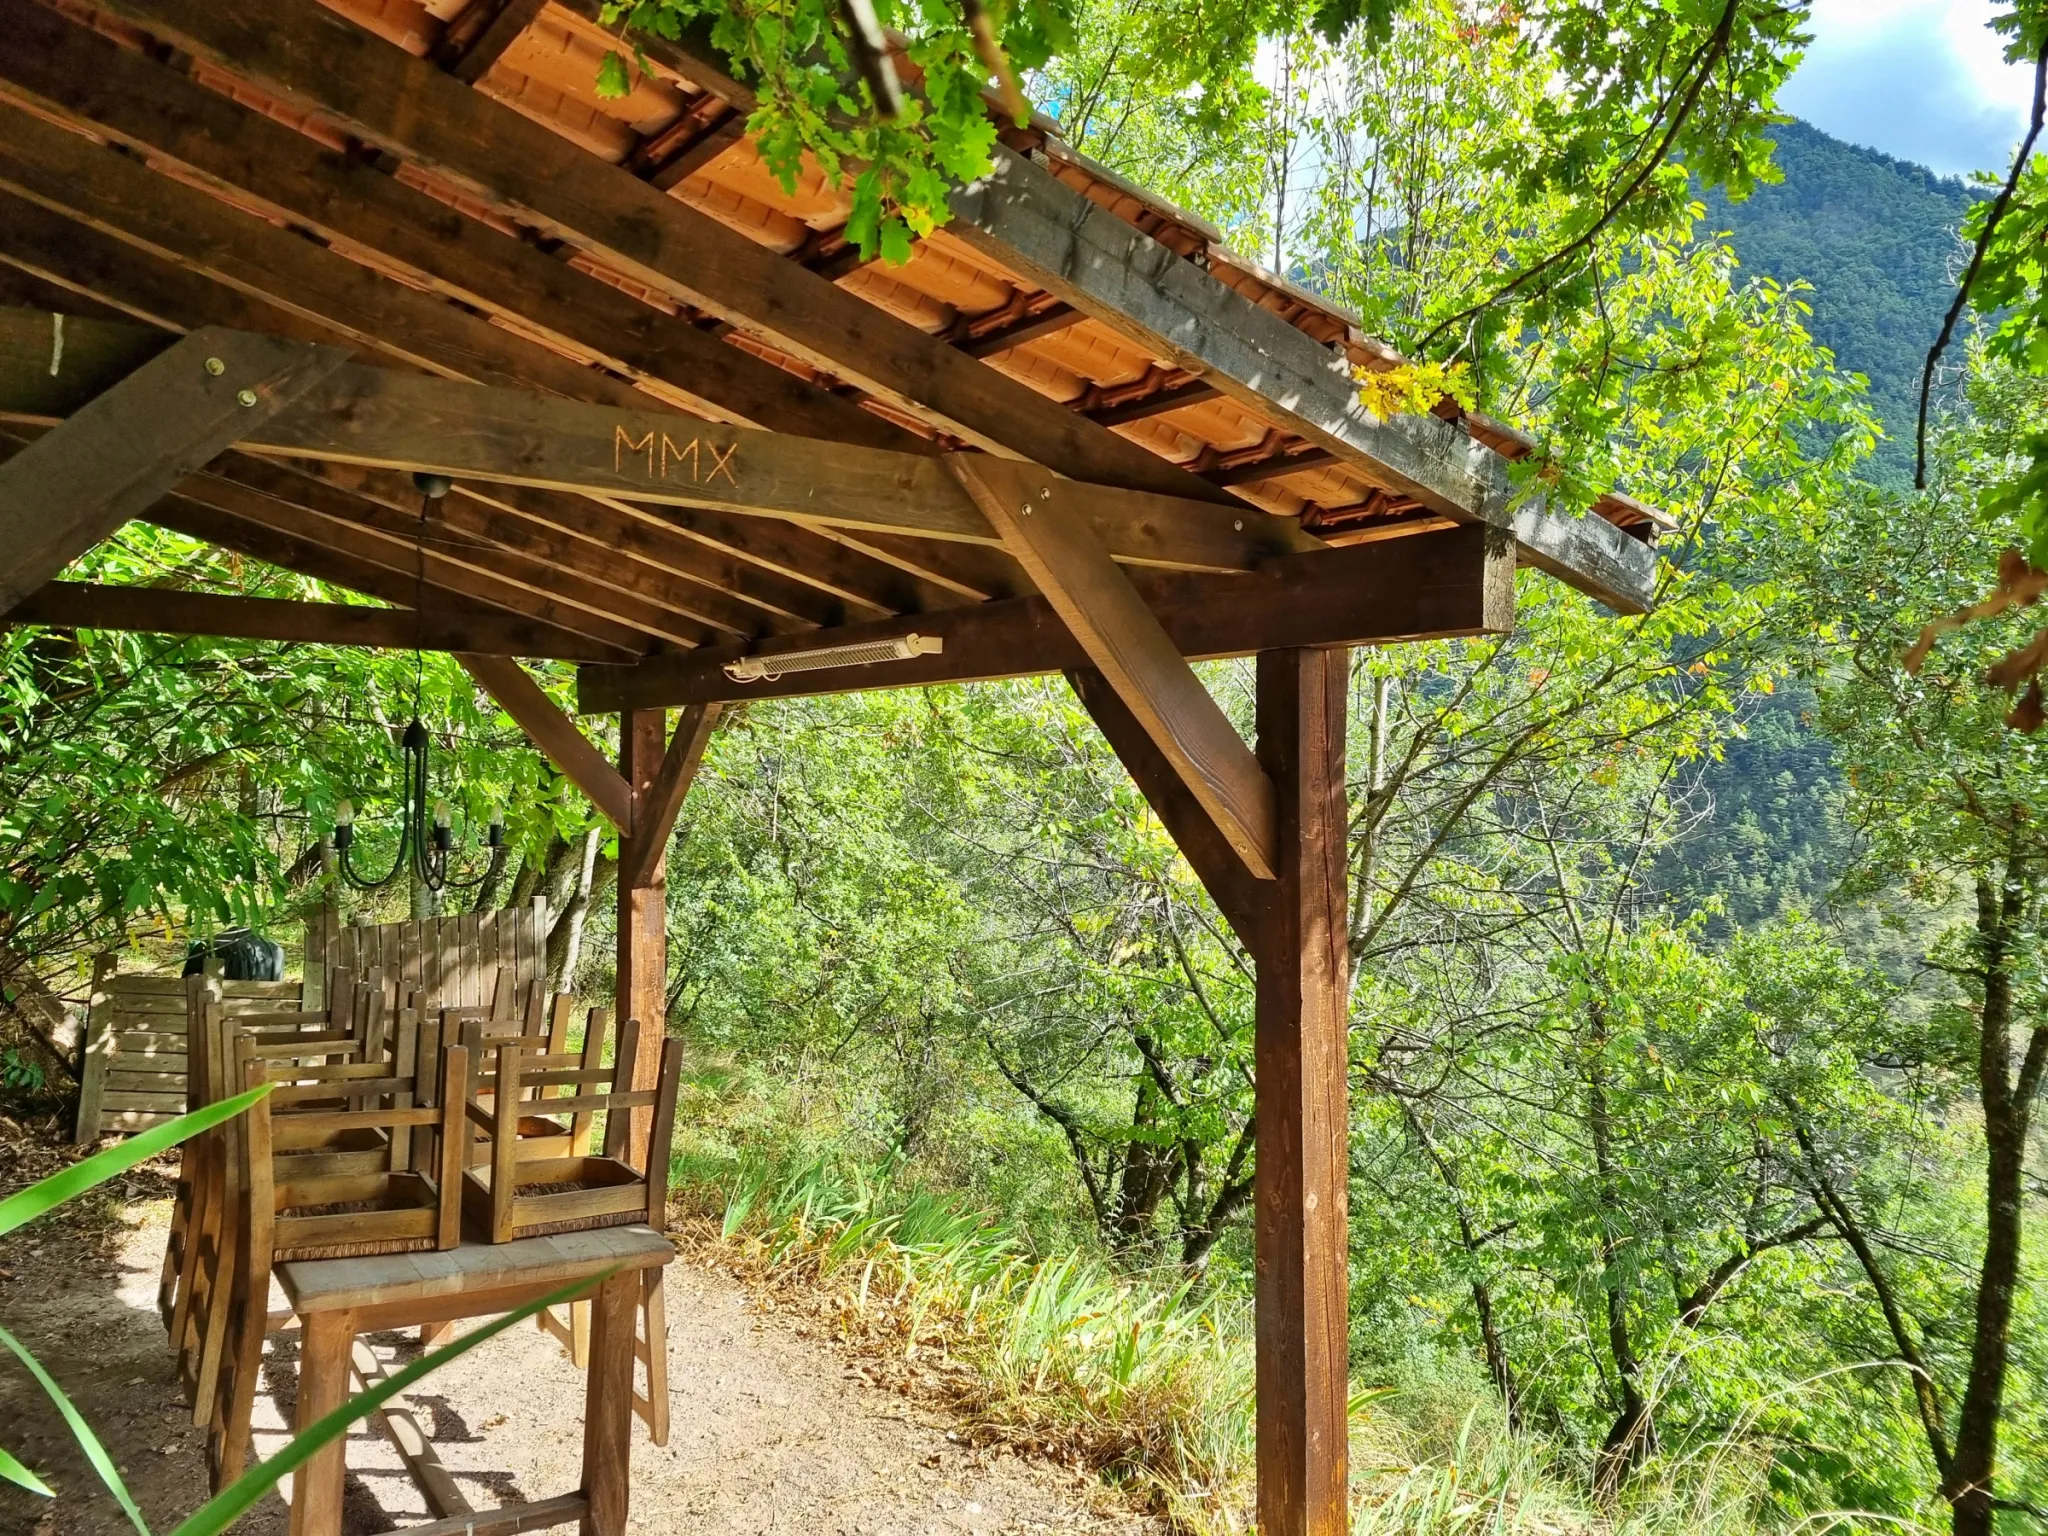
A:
x: 1034, y: 224
x: 411, y: 108
x: 100, y: 1047
x: 115, y: 456
x: 1454, y: 581
x: 556, y: 735
x: 1128, y: 645
x: 385, y: 419
x: 540, y: 1515
x: 321, y: 1285
x: 65, y: 67
x: 1303, y: 1061
x: 654, y: 814
x: 165, y: 611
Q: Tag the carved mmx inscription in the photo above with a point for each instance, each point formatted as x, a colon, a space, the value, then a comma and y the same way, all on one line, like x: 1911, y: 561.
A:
x: 657, y: 451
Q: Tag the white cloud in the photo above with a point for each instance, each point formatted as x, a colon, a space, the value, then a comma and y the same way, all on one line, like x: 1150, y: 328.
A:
x: 1925, y: 80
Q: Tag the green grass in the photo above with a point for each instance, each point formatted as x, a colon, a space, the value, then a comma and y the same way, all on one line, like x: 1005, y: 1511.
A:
x: 1148, y: 1380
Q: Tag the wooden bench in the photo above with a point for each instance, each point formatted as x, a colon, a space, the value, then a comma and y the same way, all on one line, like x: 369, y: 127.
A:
x: 337, y: 1299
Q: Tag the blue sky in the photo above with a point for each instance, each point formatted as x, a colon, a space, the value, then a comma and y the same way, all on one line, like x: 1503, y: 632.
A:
x: 1924, y: 80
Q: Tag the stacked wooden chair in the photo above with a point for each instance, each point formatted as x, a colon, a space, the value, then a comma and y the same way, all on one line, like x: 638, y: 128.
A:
x: 357, y: 1150
x: 525, y: 1090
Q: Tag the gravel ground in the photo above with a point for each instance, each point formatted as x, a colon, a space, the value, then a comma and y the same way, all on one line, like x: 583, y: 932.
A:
x: 771, y: 1431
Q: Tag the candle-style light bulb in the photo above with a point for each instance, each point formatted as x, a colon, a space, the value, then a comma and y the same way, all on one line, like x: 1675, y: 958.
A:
x: 344, y: 813
x: 440, y: 813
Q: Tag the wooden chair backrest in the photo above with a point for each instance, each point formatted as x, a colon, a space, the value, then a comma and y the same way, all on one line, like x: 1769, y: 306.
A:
x: 299, y: 1115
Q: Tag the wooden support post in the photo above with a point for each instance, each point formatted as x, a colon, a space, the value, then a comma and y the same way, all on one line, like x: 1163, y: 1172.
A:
x: 643, y: 914
x: 1302, y: 1057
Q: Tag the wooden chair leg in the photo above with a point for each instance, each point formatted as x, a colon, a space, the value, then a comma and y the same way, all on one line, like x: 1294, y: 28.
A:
x: 323, y: 1387
x: 654, y: 1321
x: 608, y: 1407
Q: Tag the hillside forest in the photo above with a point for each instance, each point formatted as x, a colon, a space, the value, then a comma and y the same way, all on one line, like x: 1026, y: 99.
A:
x: 1698, y: 1004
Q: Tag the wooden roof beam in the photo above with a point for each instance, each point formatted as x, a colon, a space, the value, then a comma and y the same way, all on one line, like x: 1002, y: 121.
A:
x: 230, y: 616
x: 1052, y: 234
x: 411, y: 108
x: 113, y: 457
x: 393, y: 420
x: 1457, y: 581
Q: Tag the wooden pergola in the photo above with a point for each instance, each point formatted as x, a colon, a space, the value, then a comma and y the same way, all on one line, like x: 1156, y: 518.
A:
x: 267, y: 263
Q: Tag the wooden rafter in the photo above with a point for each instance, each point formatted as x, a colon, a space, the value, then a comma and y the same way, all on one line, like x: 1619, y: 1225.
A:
x: 411, y: 108
x: 168, y: 611
x: 118, y: 454
x: 65, y: 67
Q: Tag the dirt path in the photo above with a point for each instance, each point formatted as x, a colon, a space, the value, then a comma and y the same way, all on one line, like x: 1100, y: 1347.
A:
x: 771, y: 1432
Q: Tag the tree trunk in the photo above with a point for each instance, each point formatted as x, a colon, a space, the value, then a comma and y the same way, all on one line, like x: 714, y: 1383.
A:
x: 565, y: 939
x: 2007, y: 1107
x: 1633, y: 1435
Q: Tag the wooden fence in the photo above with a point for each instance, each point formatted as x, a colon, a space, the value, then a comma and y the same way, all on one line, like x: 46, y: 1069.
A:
x: 453, y: 961
x: 134, y: 1070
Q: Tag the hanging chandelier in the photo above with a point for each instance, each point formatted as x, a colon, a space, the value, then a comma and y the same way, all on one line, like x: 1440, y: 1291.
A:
x: 423, y: 852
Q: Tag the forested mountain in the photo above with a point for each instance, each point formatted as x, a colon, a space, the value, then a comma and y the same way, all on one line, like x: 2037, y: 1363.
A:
x: 1877, y: 239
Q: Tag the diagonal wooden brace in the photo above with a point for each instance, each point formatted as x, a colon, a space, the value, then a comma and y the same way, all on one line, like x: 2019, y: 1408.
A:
x: 1128, y: 645
x: 556, y: 735
x: 655, y: 808
x: 114, y: 457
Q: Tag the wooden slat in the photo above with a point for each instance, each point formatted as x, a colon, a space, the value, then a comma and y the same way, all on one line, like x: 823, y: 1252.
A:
x: 1128, y: 645
x: 556, y: 735
x: 114, y: 457
x: 540, y: 1515
x: 163, y: 611
x: 1454, y: 581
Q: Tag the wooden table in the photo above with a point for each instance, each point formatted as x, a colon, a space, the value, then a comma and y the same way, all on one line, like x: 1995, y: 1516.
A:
x: 336, y: 1299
